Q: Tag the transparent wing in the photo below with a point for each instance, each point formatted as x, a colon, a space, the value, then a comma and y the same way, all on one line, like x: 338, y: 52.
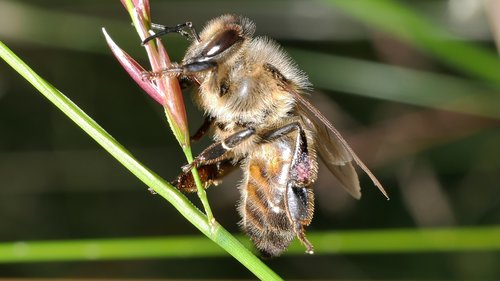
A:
x: 334, y: 150
x: 336, y: 158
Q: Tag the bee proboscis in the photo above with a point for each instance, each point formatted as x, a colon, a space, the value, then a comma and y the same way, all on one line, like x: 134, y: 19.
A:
x: 252, y: 94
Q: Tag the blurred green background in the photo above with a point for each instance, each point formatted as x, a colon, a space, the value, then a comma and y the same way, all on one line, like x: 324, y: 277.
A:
x: 413, y: 86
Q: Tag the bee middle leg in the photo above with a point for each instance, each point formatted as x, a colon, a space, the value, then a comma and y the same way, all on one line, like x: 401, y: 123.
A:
x: 220, y: 150
x: 214, y: 162
x: 210, y: 174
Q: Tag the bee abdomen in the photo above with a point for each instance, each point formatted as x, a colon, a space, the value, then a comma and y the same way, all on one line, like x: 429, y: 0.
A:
x: 263, y: 210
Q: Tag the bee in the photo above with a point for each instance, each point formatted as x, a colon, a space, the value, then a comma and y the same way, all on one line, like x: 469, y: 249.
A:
x: 252, y: 94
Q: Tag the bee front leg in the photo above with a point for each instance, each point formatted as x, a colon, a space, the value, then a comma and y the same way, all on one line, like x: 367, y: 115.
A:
x: 180, y: 70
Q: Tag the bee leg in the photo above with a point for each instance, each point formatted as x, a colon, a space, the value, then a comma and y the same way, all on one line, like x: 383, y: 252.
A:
x: 299, y: 196
x: 184, y: 69
x: 207, y: 123
x: 185, y: 82
x: 220, y: 150
x: 197, y: 66
x: 211, y: 174
x: 208, y: 160
x: 173, y: 29
x: 302, y: 173
x: 180, y: 70
x: 300, y: 208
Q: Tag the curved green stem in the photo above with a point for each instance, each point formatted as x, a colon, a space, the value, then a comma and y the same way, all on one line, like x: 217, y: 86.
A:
x: 215, y: 232
x: 201, y: 190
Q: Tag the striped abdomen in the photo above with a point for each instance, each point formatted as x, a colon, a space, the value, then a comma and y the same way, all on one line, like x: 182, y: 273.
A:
x: 273, y: 209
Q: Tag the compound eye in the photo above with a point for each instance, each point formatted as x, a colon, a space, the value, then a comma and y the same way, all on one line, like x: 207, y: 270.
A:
x: 221, y: 43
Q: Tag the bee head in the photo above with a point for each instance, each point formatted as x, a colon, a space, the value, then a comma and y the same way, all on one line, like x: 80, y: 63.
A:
x: 221, y: 39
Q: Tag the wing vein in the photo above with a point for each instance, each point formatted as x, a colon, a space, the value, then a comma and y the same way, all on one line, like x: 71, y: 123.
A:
x: 329, y: 125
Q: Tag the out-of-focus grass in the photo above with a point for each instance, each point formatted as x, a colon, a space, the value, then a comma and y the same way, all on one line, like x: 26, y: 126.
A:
x: 329, y: 72
x: 81, y: 35
x: 398, y: 84
x: 396, y: 19
x: 342, y: 242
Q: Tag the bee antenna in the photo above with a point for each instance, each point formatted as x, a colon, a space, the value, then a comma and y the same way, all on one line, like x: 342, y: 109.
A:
x: 163, y: 30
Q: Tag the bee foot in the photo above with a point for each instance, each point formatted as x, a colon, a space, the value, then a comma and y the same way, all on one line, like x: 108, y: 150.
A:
x: 150, y: 75
x: 186, y: 168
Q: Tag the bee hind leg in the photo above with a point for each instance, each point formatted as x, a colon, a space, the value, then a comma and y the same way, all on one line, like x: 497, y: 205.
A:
x: 299, y: 196
x: 300, y: 207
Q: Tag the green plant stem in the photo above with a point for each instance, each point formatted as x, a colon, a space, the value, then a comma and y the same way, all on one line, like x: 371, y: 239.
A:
x: 180, y: 136
x: 185, y: 143
x: 215, y: 232
x: 201, y: 191
x: 130, y: 9
x: 407, y: 241
x: 202, y: 195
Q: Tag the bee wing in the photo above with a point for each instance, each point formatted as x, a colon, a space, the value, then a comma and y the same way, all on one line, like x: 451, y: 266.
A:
x: 337, y: 159
x: 334, y: 150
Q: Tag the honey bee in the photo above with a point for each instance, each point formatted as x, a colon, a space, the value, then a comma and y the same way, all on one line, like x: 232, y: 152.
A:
x: 252, y: 94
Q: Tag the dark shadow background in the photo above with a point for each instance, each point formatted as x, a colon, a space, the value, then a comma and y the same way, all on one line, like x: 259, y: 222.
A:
x: 441, y: 168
